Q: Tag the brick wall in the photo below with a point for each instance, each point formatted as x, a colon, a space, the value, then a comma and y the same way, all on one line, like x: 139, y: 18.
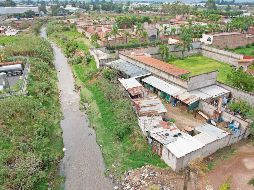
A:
x: 232, y: 41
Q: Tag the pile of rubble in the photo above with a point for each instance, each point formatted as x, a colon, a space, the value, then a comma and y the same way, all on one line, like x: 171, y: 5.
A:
x: 150, y: 178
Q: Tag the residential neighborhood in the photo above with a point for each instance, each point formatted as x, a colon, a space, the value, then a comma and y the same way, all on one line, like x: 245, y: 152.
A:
x: 130, y: 95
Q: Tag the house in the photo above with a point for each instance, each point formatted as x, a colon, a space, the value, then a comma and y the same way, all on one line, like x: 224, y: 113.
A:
x: 227, y: 39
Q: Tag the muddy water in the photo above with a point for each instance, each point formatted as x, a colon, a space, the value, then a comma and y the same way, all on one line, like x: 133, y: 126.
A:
x: 83, y: 164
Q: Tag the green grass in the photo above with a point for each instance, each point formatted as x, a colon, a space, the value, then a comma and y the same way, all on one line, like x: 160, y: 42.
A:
x: 245, y: 50
x: 5, y: 40
x: 200, y: 64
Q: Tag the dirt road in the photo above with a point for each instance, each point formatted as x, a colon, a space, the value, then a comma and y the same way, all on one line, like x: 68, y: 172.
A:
x: 83, y: 164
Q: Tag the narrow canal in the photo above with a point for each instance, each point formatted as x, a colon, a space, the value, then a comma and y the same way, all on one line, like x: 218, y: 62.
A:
x: 83, y: 164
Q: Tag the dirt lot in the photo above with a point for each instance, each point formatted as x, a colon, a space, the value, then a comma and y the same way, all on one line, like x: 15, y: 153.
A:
x: 182, y: 117
x: 239, y: 169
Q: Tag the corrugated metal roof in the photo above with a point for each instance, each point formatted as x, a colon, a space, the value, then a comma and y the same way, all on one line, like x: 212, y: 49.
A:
x: 212, y: 131
x: 150, y: 105
x: 214, y: 91
x: 200, y: 94
x: 165, y: 136
x: 162, y: 85
x: 148, y: 123
x: 129, y: 83
x: 128, y: 68
x: 204, y: 138
x: 186, y: 97
x: 184, y: 145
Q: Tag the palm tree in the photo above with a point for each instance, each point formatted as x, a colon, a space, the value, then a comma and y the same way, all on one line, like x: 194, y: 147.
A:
x: 126, y: 34
x: 107, y: 35
x: 115, y: 31
x: 139, y: 29
x: 164, y: 51
x: 144, y: 35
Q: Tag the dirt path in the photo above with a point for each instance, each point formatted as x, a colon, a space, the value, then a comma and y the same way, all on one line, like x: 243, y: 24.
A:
x: 83, y: 164
x: 239, y: 169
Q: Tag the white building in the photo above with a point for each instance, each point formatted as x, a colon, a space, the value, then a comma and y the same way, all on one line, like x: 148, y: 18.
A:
x: 15, y: 10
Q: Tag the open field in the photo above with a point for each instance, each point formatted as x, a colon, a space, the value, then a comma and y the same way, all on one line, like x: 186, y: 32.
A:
x: 245, y: 50
x: 200, y: 64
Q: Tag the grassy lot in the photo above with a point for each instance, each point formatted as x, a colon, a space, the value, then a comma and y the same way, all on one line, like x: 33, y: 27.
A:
x: 249, y: 50
x: 111, y: 115
x: 200, y: 64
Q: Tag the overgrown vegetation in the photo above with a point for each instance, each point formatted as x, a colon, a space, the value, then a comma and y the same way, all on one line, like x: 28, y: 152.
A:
x: 111, y: 114
x: 245, y: 109
x: 30, y: 133
x: 240, y: 79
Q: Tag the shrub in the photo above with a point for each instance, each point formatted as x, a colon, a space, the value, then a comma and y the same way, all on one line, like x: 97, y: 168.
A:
x: 251, y: 181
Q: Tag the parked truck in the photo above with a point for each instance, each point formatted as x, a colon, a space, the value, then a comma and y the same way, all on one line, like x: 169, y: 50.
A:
x: 12, y: 70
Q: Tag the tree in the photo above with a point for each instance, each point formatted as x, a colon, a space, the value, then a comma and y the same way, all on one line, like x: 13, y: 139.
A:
x: 211, y: 5
x: 139, y: 29
x: 94, y: 39
x: 126, y: 34
x: 164, y: 51
x: 7, y: 3
x: 115, y: 31
x: 185, y: 40
x: 144, y: 35
x: 42, y: 7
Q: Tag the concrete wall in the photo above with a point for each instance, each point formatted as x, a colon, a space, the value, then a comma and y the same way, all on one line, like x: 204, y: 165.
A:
x: 169, y: 158
x: 202, y: 80
x: 221, y: 55
x: 212, y: 147
x: 228, y: 41
x: 239, y: 94
x: 157, y: 72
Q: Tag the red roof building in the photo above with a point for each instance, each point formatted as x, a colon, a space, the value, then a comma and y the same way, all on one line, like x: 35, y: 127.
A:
x: 160, y: 65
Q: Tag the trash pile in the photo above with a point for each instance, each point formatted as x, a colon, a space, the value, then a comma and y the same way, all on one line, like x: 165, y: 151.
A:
x: 150, y: 178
